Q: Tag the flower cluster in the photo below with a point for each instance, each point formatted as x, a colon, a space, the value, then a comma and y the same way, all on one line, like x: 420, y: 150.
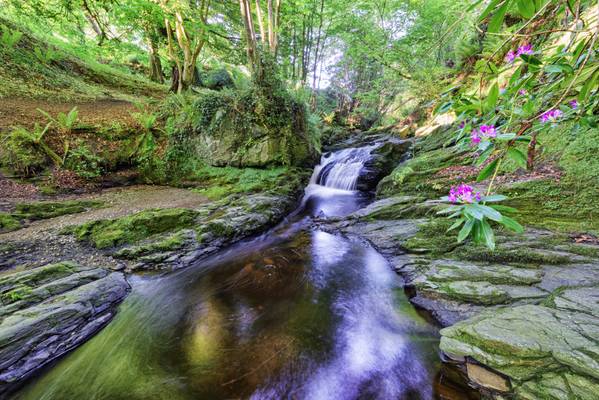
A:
x: 512, y: 55
x: 484, y: 131
x: 463, y: 194
x: 550, y: 116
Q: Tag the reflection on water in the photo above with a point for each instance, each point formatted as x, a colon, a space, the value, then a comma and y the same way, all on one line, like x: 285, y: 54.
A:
x: 292, y: 315
x: 314, y: 316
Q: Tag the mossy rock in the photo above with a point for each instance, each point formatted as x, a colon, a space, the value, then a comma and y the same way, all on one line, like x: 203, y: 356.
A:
x: 168, y: 243
x: 14, y: 285
x: 9, y: 223
x: 47, y: 209
x: 133, y: 228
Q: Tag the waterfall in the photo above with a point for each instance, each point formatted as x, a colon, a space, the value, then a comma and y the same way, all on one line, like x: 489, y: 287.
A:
x: 341, y: 169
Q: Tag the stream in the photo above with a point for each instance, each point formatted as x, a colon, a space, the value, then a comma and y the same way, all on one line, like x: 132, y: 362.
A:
x: 293, y: 314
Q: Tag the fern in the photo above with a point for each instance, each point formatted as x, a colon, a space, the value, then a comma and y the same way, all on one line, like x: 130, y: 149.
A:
x: 66, y: 122
x: 10, y: 38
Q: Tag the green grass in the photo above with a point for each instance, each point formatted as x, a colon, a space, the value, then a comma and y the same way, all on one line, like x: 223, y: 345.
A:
x: 220, y: 182
x: 72, y: 75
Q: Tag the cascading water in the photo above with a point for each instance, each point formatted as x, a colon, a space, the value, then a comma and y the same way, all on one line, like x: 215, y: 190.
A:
x: 341, y: 169
x: 333, y: 188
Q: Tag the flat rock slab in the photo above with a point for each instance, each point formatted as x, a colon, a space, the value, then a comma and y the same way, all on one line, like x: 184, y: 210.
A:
x: 57, y: 309
x: 527, y: 342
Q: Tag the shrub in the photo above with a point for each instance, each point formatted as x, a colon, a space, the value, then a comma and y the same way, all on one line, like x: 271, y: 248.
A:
x: 84, y: 162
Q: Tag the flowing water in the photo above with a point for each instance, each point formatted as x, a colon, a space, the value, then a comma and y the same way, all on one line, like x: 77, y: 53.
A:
x: 294, y: 314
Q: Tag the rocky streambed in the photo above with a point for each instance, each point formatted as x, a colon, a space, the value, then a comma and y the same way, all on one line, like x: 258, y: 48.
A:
x: 63, y: 274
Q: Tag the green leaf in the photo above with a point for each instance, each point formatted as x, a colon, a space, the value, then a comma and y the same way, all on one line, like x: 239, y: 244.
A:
x: 456, y: 224
x: 484, y: 156
x: 503, y: 209
x: 487, y: 171
x: 559, y: 68
x: 492, y: 98
x: 488, y: 10
x: 586, y: 88
x: 515, y: 76
x: 487, y: 233
x: 449, y: 209
x: 517, y: 156
x: 506, y: 137
x: 511, y: 224
x: 531, y: 59
x: 488, y: 212
x: 526, y: 8
x: 494, y: 198
x: 465, y: 231
x: 498, y: 17
x: 473, y: 212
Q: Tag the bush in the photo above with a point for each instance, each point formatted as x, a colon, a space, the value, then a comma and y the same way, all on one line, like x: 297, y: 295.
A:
x: 84, y: 162
x: 20, y: 153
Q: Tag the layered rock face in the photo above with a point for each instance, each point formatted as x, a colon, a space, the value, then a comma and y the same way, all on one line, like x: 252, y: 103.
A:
x: 46, y: 311
x: 523, y: 321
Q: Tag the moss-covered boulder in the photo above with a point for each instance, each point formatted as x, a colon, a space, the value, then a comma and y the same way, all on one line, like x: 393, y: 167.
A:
x: 132, y: 228
x: 244, y: 129
x: 52, y: 209
x: 48, y: 311
x: 534, y: 345
x: 8, y: 223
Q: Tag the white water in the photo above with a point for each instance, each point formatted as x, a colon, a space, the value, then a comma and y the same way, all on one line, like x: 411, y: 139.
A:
x: 341, y: 169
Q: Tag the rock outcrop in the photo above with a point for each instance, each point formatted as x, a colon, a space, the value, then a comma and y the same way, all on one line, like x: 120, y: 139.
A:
x: 522, y: 320
x: 49, y: 310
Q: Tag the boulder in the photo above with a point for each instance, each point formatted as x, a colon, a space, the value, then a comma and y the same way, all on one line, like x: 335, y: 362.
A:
x: 50, y: 310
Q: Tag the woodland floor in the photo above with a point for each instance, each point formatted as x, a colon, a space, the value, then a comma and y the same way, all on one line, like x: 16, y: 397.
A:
x: 24, y: 112
x: 117, y: 203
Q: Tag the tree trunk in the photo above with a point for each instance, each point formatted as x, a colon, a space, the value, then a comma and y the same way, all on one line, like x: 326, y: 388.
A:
x: 156, y: 73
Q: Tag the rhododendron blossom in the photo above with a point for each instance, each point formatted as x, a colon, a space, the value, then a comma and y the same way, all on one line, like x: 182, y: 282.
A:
x: 463, y: 194
x: 484, y: 131
x: 524, y: 49
x: 550, y: 116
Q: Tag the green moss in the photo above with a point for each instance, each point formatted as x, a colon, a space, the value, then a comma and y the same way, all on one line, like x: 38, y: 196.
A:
x: 169, y: 243
x: 555, y: 205
x: 8, y: 223
x: 46, y: 209
x: 417, y: 175
x: 503, y: 255
x: 18, y: 293
x: 133, y: 228
x: 36, y: 277
x: 433, y: 238
x: 217, y: 183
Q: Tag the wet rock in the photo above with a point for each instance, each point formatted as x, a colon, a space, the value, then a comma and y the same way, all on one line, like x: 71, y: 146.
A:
x: 384, y: 159
x: 486, y: 378
x: 527, y: 341
x: 53, y: 316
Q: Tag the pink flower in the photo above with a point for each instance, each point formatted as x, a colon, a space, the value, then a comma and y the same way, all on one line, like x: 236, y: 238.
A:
x: 526, y: 49
x: 475, y: 137
x: 463, y: 194
x: 550, y: 116
x: 574, y: 104
x: 522, y: 92
x: 488, y: 131
x: 510, y: 56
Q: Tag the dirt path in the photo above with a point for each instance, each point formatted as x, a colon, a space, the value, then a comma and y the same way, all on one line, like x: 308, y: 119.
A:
x: 24, y: 112
x: 118, y: 202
